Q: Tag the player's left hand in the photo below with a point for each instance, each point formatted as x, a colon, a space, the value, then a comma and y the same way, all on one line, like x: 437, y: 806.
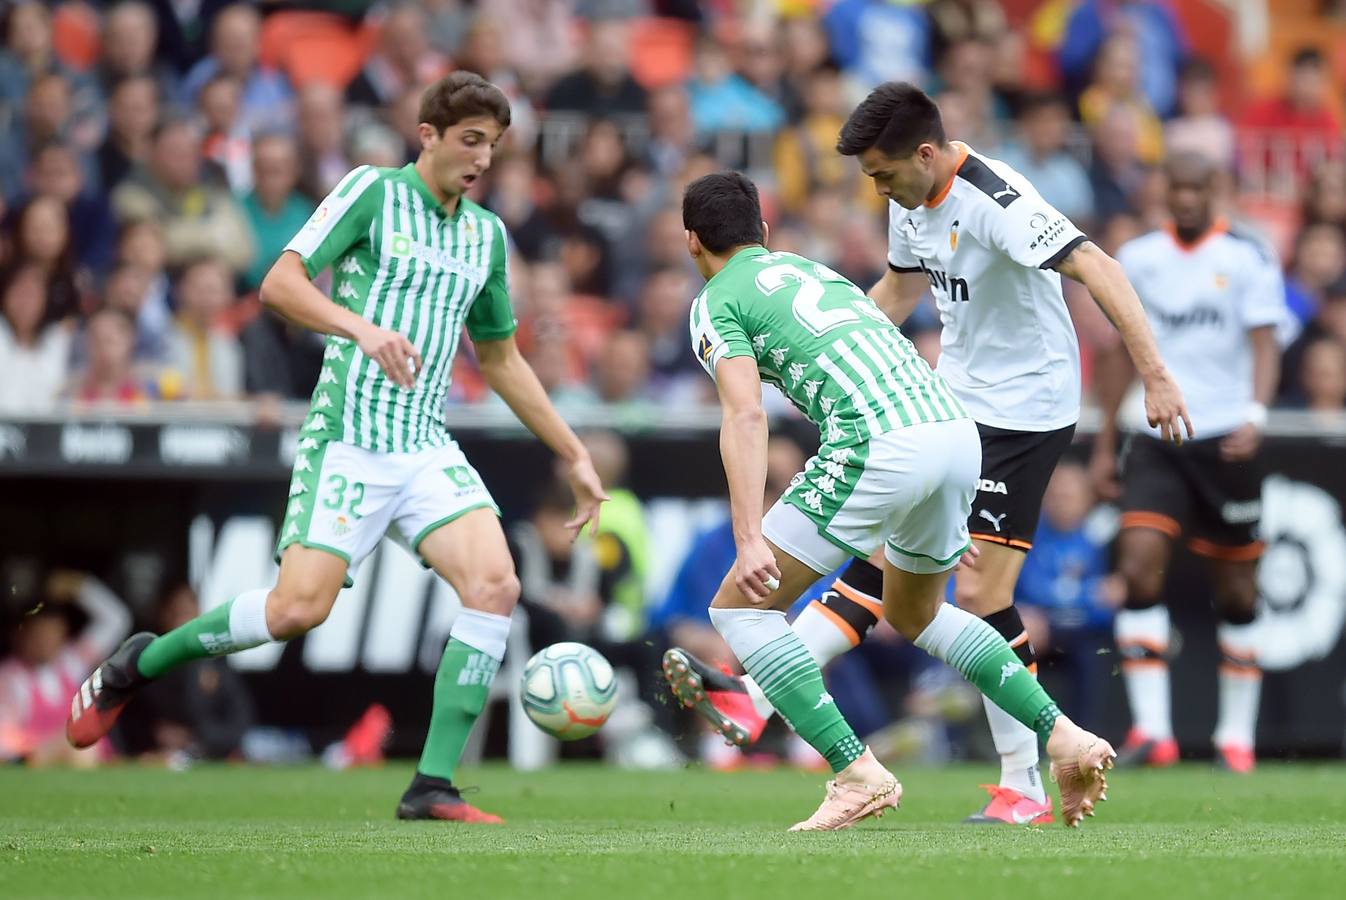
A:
x: 969, y: 559
x: 589, y: 497
x: 1165, y: 408
x: 1241, y: 444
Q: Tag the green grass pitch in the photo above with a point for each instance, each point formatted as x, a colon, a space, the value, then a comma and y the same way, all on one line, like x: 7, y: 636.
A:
x: 591, y: 832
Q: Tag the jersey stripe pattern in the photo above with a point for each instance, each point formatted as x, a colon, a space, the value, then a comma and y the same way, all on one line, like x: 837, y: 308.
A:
x: 822, y: 342
x: 399, y: 261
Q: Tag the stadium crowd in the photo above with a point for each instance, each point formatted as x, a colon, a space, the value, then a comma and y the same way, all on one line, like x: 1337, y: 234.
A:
x: 157, y: 156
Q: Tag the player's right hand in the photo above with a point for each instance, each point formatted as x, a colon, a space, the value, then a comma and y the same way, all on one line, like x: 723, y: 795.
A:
x: 1165, y: 408
x: 754, y: 566
x: 394, y: 354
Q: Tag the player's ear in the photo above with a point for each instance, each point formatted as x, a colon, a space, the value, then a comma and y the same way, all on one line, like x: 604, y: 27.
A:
x: 429, y: 137
x: 693, y: 243
x: 766, y: 234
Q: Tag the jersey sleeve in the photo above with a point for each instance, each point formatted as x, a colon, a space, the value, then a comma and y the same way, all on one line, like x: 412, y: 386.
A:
x: 340, y: 220
x: 900, y: 257
x: 1262, y: 298
x: 717, y: 331
x: 491, y: 317
x: 1029, y: 230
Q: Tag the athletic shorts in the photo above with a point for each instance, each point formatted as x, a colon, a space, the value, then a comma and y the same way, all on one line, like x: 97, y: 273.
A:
x: 1015, y: 469
x: 343, y: 499
x: 1190, y: 490
x: 909, y: 489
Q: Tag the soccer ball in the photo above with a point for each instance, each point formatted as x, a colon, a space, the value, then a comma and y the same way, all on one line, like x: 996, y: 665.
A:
x: 569, y: 690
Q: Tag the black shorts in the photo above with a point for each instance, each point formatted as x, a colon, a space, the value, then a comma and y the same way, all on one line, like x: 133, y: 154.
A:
x: 1189, y: 490
x: 1015, y: 469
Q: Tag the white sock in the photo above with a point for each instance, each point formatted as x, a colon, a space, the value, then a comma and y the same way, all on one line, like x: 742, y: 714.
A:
x: 821, y: 635
x: 760, y: 703
x: 1142, y: 637
x: 247, y: 620
x: 482, y: 631
x: 1017, y: 745
x: 1240, y: 686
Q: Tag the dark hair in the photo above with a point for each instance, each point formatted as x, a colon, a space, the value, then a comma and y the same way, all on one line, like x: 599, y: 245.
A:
x: 896, y: 117
x: 462, y: 95
x: 1037, y: 101
x: 1197, y: 68
x: 723, y: 211
x: 1307, y: 56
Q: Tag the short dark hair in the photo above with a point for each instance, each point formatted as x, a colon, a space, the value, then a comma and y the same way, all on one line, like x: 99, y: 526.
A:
x: 462, y: 95
x: 1197, y: 68
x: 896, y: 117
x: 723, y: 210
x: 1037, y: 101
x: 1308, y: 56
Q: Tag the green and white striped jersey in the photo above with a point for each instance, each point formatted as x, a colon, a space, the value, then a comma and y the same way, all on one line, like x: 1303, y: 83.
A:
x: 404, y: 264
x: 819, y: 339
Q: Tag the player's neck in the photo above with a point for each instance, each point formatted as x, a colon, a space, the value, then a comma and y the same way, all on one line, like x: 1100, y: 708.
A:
x: 715, y: 262
x: 1193, y: 235
x: 448, y: 201
x: 946, y: 166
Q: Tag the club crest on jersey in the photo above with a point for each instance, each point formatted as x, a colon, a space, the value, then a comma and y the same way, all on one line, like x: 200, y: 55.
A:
x: 953, y: 235
x: 704, y: 349
x: 1221, y: 282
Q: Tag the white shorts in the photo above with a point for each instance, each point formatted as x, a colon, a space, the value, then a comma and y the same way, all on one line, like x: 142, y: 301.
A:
x: 343, y: 498
x: 910, y: 489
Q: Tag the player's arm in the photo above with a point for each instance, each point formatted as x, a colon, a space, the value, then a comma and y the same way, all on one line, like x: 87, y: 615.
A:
x: 743, y: 440
x: 288, y: 290
x: 510, y: 376
x: 1243, y: 443
x: 1107, y: 283
x: 1113, y: 374
x: 898, y: 292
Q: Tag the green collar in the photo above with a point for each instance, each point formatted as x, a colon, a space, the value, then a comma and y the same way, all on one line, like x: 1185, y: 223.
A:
x: 418, y: 184
x: 743, y: 255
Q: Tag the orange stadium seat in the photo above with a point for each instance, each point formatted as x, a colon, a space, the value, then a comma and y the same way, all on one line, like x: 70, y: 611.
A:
x: 74, y: 35
x: 661, y: 51
x: 316, y: 46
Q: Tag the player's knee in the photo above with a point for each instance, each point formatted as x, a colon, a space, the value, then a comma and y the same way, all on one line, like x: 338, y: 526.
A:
x: 1144, y: 581
x: 493, y: 593
x: 291, y: 613
x: 909, y: 619
x: 980, y: 596
x: 1236, y: 602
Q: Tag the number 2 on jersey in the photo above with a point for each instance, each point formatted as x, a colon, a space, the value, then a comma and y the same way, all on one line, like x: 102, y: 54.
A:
x: 807, y: 302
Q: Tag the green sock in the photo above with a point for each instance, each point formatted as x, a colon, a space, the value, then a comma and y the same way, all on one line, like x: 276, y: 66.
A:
x: 461, y: 688
x: 786, y: 672
x: 978, y: 651
x: 228, y: 628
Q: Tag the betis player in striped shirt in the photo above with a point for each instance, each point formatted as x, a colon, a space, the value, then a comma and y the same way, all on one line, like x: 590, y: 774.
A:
x: 897, y: 468
x: 413, y: 263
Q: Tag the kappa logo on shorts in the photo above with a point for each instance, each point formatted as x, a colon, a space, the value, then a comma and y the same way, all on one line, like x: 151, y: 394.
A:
x: 986, y: 486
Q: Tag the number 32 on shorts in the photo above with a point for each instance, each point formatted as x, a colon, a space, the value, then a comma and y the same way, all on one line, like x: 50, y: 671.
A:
x: 336, y: 487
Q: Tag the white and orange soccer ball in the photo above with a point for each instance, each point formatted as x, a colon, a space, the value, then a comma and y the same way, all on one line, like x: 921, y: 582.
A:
x: 569, y: 690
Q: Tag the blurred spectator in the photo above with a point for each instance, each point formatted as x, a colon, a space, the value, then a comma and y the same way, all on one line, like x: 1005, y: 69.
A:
x: 128, y: 289
x: 198, y: 217
x: 1116, y: 173
x: 875, y: 41
x: 1319, y: 260
x: 110, y: 375
x: 1323, y: 376
x: 540, y: 41
x: 226, y: 142
x: 672, y: 132
x: 47, y: 117
x: 322, y: 138
x: 553, y: 362
x: 483, y: 51
x: 585, y: 323
x: 206, y: 357
x: 1200, y: 127
x: 198, y: 711
x: 133, y: 110
x: 280, y: 358
x: 56, y: 173
x: 403, y: 116
x: 141, y: 244
x: 1066, y: 592
x: 34, y: 352
x: 759, y: 58
x: 965, y: 69
x: 275, y: 208
x: 446, y: 21
x: 622, y: 545
x: 185, y: 30
x: 48, y: 665
x: 42, y: 238
x: 953, y: 21
x: 1158, y: 35
x: 723, y: 100
x: 1039, y: 153
x: 1116, y: 83
x: 1325, y: 196
x: 622, y: 371
x: 403, y: 62
x: 806, y: 157
x: 1297, y: 129
x: 28, y: 56
x: 127, y: 45
x: 266, y: 100
x: 602, y: 85
x: 665, y: 303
